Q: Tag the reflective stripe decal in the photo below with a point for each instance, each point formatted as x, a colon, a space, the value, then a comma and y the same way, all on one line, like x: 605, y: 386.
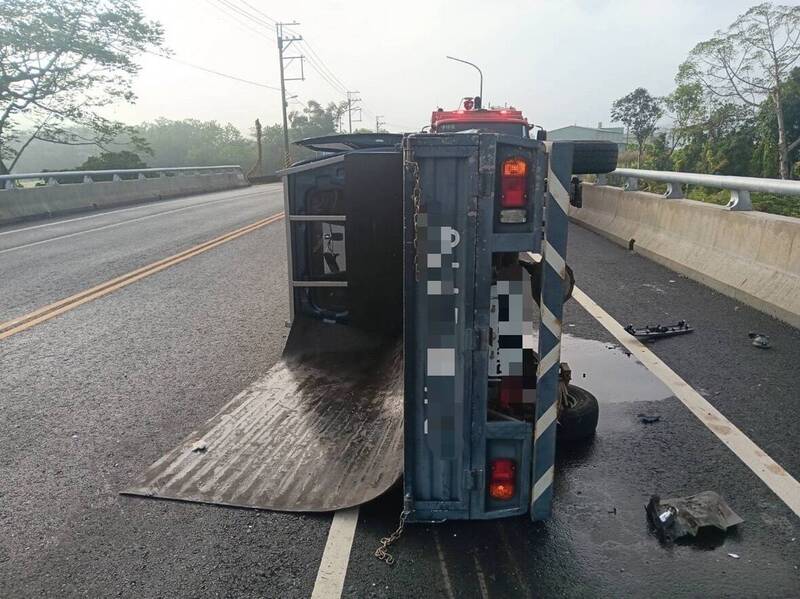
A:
x: 554, y: 259
x: 543, y: 484
x: 546, y: 420
x: 554, y: 250
x: 551, y: 322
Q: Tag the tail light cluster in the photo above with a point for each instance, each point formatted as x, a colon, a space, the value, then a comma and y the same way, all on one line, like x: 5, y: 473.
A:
x: 502, y: 478
x: 514, y: 191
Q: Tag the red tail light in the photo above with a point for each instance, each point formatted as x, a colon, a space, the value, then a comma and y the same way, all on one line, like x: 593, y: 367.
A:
x: 510, y: 392
x: 502, y: 479
x: 514, y: 184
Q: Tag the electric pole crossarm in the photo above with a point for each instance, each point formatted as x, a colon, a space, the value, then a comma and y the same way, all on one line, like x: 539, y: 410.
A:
x: 283, y: 62
x: 351, y: 100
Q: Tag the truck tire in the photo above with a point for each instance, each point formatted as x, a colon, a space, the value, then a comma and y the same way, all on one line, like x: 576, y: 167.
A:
x: 594, y: 157
x: 579, y: 421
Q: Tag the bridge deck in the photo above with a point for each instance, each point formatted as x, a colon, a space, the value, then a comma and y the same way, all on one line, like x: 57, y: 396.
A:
x: 94, y: 396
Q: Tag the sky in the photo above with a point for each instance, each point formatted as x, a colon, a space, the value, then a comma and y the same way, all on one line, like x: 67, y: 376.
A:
x: 562, y: 62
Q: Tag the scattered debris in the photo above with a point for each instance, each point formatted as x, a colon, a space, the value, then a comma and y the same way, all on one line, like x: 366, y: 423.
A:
x: 734, y: 555
x: 681, y: 516
x: 759, y: 340
x: 648, y: 419
x: 199, y: 447
x: 657, y: 331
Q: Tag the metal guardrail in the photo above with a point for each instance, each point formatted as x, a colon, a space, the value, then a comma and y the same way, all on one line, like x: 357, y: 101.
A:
x: 740, y: 187
x: 10, y: 181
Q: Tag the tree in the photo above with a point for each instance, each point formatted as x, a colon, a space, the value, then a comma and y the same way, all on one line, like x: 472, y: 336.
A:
x: 61, y: 61
x: 191, y: 142
x: 113, y: 161
x: 639, y: 111
x: 313, y: 120
x: 688, y: 109
x: 749, y: 62
x: 768, y: 161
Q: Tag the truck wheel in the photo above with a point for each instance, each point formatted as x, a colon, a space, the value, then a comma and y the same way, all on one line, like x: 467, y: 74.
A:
x: 578, y: 420
x: 594, y: 157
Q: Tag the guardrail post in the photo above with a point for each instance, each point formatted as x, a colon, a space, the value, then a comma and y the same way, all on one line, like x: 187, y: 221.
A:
x: 740, y: 200
x: 631, y: 184
x: 674, y: 191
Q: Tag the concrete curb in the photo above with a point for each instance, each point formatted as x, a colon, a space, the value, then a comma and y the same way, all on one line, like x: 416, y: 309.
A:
x: 752, y: 257
x: 18, y: 205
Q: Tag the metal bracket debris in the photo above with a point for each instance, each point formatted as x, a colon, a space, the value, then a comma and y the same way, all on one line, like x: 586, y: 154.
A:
x: 675, y: 518
x: 658, y: 331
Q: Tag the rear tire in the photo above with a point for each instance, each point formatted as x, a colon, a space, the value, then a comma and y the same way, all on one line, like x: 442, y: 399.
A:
x: 578, y: 422
x: 594, y: 157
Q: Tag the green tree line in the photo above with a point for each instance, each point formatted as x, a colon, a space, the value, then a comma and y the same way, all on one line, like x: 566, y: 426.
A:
x: 63, y: 62
x: 735, y: 109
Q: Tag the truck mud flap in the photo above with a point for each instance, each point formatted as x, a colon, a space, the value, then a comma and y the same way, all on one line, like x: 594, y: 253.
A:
x: 322, y: 431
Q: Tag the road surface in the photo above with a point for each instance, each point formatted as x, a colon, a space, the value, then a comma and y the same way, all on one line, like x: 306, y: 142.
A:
x: 93, y: 396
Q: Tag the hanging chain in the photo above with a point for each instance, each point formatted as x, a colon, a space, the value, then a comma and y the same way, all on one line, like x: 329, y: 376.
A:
x: 381, y: 552
x: 416, y: 200
x: 412, y: 168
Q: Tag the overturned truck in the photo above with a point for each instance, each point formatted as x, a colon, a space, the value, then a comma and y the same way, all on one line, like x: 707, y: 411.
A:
x: 427, y: 274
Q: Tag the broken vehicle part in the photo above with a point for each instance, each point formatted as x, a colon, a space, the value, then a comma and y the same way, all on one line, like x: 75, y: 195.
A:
x: 682, y: 516
x: 658, y: 331
x: 759, y: 340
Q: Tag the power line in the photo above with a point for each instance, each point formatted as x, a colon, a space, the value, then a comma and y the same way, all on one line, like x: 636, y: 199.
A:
x: 340, y: 90
x: 236, y: 19
x: 213, y: 72
x: 315, y: 60
x: 317, y: 57
x: 263, y: 14
x: 248, y: 15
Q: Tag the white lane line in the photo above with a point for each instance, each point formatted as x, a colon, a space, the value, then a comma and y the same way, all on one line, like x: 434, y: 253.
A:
x: 448, y: 585
x: 107, y: 212
x: 333, y: 568
x: 112, y: 225
x: 481, y: 577
x: 768, y: 470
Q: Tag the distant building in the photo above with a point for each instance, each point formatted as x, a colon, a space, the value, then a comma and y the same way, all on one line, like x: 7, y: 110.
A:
x: 575, y: 132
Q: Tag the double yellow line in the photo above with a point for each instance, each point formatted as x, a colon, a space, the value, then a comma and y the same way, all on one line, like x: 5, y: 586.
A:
x: 17, y: 325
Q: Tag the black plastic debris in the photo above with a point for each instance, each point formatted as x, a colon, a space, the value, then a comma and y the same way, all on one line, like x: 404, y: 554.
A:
x: 759, y: 340
x: 682, y: 516
x: 658, y: 331
x: 648, y: 418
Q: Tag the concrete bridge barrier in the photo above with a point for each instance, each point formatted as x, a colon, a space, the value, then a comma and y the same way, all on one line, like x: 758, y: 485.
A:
x: 753, y: 257
x: 54, y: 199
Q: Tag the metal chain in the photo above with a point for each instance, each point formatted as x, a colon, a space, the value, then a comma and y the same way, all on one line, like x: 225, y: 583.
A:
x: 416, y: 199
x: 381, y: 552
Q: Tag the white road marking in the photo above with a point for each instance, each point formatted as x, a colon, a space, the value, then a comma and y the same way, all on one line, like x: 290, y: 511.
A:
x: 112, y: 225
x: 107, y: 212
x: 768, y: 470
x: 448, y: 585
x: 333, y: 567
x: 481, y: 577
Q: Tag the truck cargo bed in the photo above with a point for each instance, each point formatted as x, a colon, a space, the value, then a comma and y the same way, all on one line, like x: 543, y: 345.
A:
x: 323, y: 430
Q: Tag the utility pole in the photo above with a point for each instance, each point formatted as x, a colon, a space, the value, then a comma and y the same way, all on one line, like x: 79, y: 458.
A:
x: 378, y: 122
x: 283, y: 62
x: 351, y: 99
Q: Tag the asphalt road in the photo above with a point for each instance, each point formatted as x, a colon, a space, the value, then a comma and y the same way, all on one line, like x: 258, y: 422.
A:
x: 91, y: 398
